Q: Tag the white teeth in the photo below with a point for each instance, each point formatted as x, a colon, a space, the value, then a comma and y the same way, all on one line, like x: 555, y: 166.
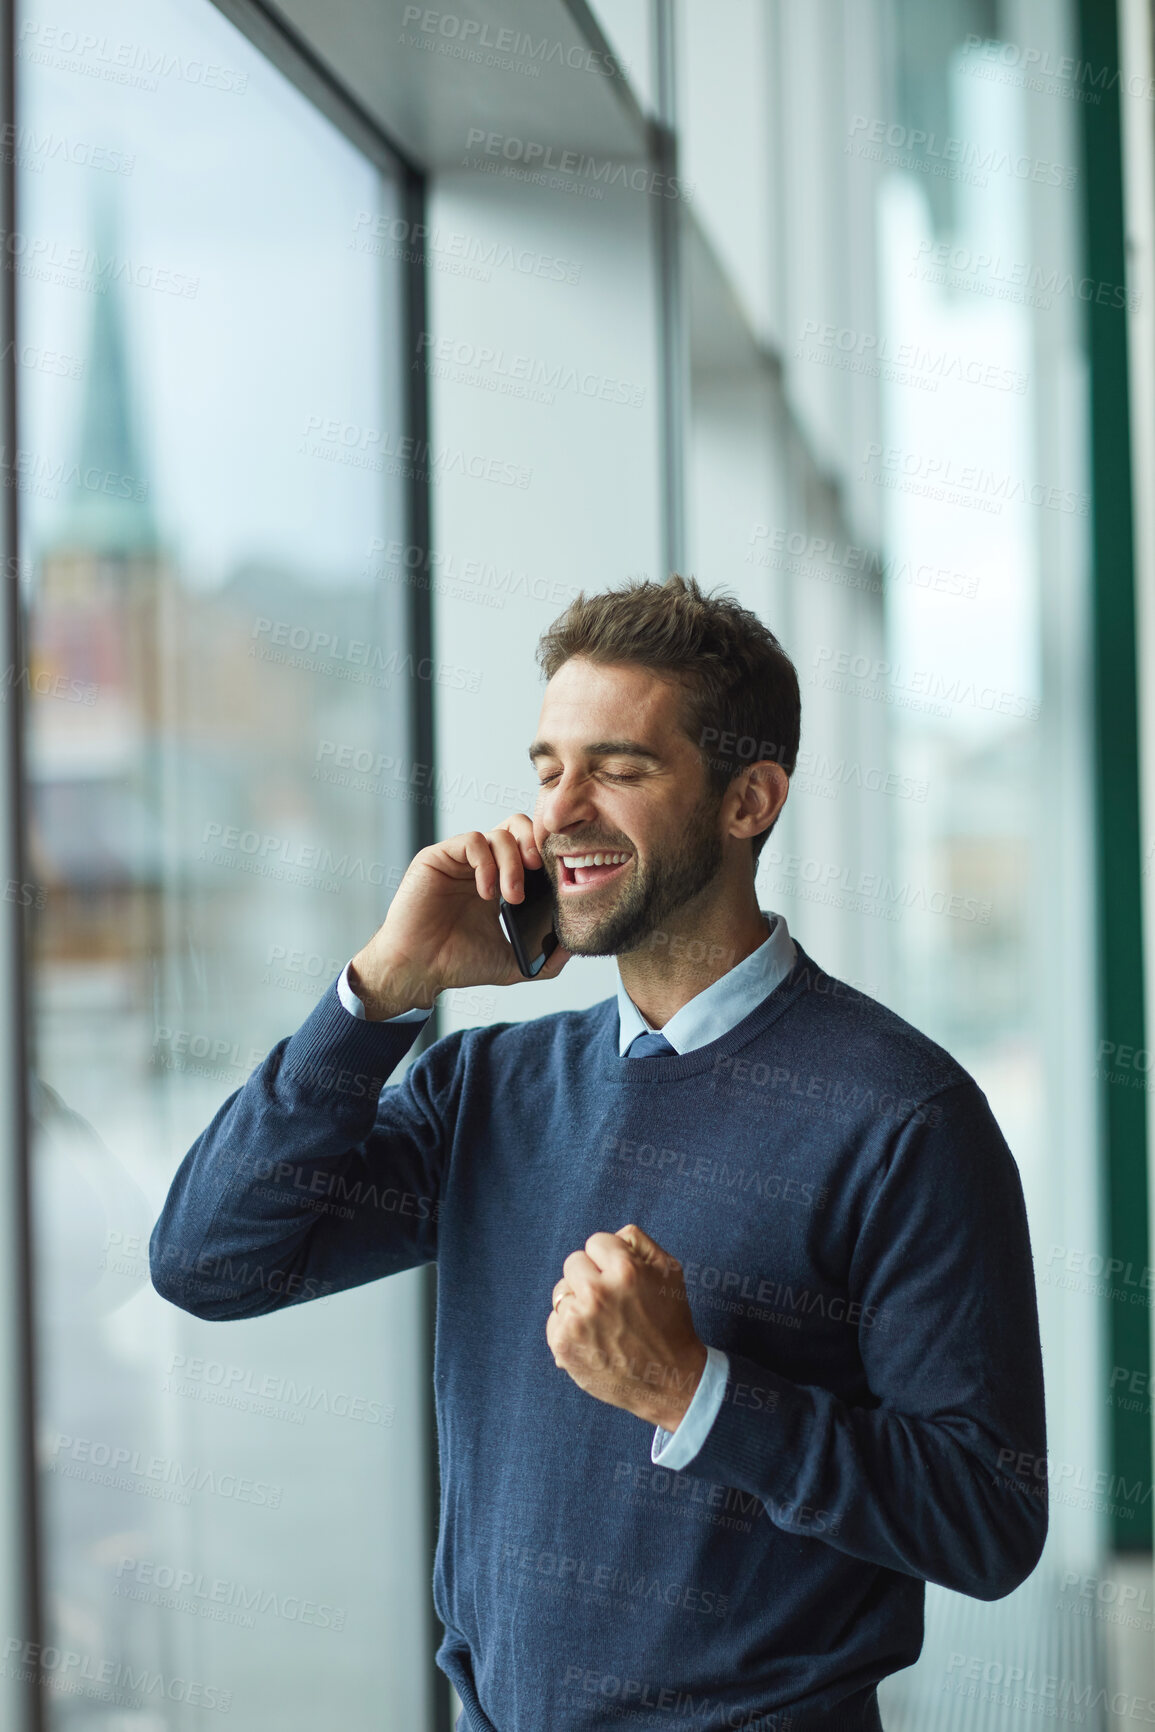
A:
x: 572, y: 860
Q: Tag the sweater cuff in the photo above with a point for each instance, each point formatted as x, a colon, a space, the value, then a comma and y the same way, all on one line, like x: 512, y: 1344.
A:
x: 677, y: 1449
x: 356, y: 1008
x: 758, y: 1441
x: 343, y: 1059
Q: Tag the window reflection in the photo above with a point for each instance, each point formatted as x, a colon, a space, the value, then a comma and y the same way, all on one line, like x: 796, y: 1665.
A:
x: 199, y: 572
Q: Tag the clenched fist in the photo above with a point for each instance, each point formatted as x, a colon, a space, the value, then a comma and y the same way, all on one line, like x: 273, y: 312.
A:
x: 621, y: 1326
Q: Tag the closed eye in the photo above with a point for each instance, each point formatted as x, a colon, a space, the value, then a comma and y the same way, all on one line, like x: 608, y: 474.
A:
x: 626, y: 776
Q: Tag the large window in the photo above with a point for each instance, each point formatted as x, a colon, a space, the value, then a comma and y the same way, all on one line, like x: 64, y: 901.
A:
x: 211, y: 461
x: 860, y: 334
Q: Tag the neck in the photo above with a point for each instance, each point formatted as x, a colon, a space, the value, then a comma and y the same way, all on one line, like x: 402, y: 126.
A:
x: 690, y: 951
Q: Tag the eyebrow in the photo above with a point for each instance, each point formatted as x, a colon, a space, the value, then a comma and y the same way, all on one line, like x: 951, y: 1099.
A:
x: 599, y: 749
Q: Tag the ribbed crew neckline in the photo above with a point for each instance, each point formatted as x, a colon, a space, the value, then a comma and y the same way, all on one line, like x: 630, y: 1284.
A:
x: 673, y: 1067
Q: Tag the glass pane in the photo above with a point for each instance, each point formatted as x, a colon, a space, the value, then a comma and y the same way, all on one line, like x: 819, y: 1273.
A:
x: 907, y: 500
x: 208, y: 472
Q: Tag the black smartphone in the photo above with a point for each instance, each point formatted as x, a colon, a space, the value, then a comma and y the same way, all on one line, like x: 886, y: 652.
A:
x: 529, y: 924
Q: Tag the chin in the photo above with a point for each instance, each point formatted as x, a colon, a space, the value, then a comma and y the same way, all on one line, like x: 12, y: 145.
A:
x: 585, y: 943
x: 612, y: 935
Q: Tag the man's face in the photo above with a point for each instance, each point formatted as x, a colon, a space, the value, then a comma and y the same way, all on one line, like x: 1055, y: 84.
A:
x: 619, y: 777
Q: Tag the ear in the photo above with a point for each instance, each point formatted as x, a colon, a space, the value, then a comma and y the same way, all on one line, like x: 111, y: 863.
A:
x: 755, y: 797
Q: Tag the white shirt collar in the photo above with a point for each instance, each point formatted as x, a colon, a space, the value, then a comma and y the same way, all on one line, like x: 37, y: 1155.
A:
x: 717, y: 1009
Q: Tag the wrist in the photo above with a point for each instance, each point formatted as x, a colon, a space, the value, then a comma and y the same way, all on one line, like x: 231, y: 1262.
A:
x: 386, y: 991
x: 669, y: 1400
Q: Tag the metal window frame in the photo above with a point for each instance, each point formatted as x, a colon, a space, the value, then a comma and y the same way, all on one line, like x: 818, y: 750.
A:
x: 21, y: 1699
x: 673, y: 331
x: 1118, y: 839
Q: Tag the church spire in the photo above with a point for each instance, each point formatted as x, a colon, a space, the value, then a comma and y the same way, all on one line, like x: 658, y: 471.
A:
x: 106, y: 507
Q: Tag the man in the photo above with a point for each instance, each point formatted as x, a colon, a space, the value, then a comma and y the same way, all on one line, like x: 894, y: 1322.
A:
x: 697, y: 1466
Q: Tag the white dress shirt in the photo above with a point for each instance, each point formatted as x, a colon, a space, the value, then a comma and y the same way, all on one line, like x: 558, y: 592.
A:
x: 707, y: 1016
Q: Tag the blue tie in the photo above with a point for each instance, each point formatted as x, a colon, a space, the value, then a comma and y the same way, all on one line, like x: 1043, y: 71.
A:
x: 649, y: 1045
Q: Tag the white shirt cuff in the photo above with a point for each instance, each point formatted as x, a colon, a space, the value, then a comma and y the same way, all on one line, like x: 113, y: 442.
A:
x: 355, y: 1008
x: 677, y: 1449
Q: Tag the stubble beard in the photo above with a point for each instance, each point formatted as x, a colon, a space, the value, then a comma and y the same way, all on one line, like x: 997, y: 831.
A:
x: 651, y: 894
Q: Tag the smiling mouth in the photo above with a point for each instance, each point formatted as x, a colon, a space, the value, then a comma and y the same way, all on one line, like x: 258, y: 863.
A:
x: 584, y: 871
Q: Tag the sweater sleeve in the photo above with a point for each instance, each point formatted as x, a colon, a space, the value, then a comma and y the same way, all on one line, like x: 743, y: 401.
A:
x: 311, y: 1178
x: 943, y: 1475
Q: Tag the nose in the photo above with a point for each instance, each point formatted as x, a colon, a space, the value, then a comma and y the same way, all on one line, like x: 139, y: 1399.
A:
x: 562, y: 807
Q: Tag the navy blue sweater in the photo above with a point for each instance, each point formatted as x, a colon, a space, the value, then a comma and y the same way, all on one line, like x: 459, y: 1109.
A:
x: 853, y: 1234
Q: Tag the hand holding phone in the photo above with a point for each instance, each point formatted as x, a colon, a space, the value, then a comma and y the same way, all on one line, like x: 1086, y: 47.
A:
x: 528, y: 924
x: 447, y: 926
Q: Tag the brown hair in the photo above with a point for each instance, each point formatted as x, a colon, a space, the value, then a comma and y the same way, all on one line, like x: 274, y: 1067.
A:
x: 742, y: 701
